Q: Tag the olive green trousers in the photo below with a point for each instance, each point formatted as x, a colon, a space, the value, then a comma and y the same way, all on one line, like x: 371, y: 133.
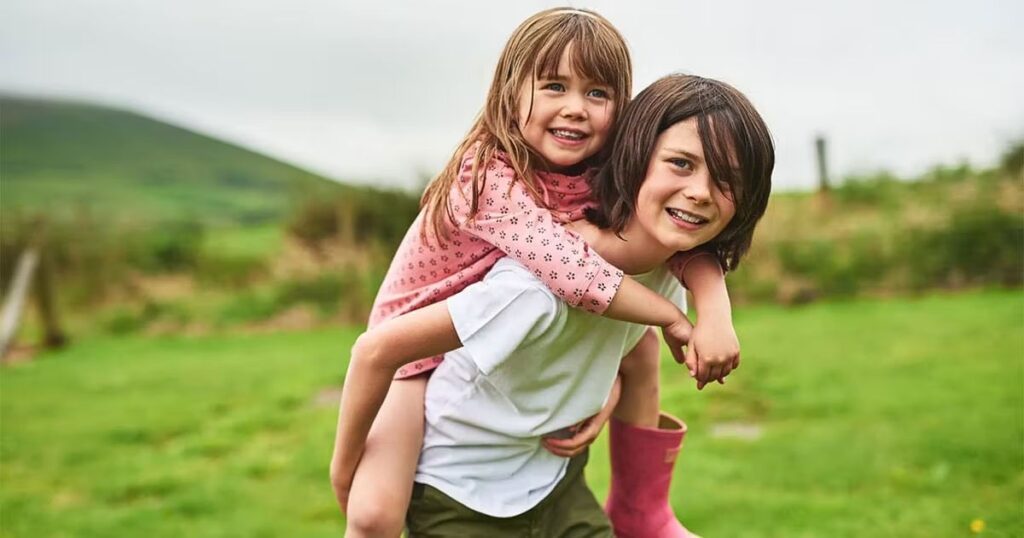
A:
x: 570, y: 511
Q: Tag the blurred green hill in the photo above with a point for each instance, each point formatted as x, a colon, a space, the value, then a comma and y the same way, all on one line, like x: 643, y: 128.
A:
x: 116, y: 199
x: 62, y: 157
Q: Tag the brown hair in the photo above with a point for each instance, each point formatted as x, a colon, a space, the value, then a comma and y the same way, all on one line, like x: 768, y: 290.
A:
x: 597, y: 52
x: 731, y: 132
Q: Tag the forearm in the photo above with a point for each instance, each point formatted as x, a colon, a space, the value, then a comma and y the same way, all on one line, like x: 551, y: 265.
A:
x: 636, y: 303
x: 366, y: 386
x: 375, y: 358
x: 704, y: 278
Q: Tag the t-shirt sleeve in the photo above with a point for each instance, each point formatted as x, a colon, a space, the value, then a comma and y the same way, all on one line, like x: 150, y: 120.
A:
x: 507, y: 310
x: 509, y: 218
x: 678, y: 262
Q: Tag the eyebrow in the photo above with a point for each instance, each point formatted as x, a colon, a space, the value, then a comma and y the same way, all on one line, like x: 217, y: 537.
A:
x: 558, y: 77
x: 687, y: 154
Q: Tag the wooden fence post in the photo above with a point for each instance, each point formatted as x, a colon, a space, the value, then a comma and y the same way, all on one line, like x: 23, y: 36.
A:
x: 819, y: 145
x: 53, y: 336
x: 14, y: 306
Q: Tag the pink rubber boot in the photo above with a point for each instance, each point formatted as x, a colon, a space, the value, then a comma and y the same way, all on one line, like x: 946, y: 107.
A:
x: 642, y: 461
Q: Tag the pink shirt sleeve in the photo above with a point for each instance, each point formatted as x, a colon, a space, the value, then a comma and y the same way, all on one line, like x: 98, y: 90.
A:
x: 512, y: 221
x: 678, y: 262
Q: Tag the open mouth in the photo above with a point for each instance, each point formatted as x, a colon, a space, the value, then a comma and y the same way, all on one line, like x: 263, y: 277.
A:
x: 686, y: 216
x: 571, y: 135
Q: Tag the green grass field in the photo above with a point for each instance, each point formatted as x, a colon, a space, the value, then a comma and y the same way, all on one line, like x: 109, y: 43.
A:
x: 901, y: 418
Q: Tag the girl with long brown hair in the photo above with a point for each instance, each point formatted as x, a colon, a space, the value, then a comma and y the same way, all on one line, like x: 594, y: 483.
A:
x: 521, y: 172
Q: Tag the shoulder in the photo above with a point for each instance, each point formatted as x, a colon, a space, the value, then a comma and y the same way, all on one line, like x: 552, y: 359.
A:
x: 497, y: 164
x: 662, y: 281
x: 509, y: 291
x: 507, y: 309
x: 512, y: 277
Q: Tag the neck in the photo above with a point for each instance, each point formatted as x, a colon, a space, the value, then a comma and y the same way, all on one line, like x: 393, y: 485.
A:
x: 631, y: 251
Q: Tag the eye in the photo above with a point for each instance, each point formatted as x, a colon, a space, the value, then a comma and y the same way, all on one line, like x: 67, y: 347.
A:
x: 554, y: 86
x: 682, y: 164
x: 599, y: 93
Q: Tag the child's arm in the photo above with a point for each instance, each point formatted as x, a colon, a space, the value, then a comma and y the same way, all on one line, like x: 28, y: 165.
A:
x: 376, y: 355
x: 637, y: 303
x: 714, y: 350
x: 511, y: 220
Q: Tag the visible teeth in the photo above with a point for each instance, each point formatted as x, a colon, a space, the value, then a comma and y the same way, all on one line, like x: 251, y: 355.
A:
x: 682, y: 215
x: 567, y: 134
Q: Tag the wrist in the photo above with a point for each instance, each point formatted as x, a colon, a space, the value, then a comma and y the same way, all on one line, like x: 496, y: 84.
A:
x: 713, y: 305
x: 714, y: 314
x: 675, y: 318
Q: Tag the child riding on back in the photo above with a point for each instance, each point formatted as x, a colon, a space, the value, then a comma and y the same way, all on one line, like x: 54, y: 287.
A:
x: 520, y: 174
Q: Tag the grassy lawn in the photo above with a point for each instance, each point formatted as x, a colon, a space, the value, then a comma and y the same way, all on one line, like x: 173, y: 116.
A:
x: 900, y: 418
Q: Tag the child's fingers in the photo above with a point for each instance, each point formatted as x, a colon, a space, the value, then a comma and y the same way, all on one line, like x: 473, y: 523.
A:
x: 691, y: 360
x: 725, y: 371
x: 572, y: 443
x: 586, y: 432
x: 677, y: 354
x: 701, y: 374
x: 562, y: 447
x: 714, y: 372
x: 554, y: 446
x: 558, y: 452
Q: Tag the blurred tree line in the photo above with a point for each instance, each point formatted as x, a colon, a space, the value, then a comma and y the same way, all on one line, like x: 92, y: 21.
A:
x: 876, y: 234
x: 870, y: 235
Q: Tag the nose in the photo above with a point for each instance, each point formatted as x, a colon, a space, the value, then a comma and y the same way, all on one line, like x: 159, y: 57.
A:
x: 574, y: 106
x: 698, y: 188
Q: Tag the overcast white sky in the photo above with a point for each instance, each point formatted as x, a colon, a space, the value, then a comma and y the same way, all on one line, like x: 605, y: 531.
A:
x: 382, y: 92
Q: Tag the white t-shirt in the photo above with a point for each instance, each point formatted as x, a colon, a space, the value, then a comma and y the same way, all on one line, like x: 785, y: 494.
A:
x: 530, y: 366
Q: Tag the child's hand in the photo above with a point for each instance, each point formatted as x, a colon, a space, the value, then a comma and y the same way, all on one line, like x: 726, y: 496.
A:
x: 714, y: 349
x: 585, y: 432
x: 677, y: 336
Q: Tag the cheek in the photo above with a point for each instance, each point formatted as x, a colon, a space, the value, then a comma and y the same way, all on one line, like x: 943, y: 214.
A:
x: 727, y: 209
x: 603, y: 120
x: 524, y: 115
x: 650, y: 200
x: 526, y: 103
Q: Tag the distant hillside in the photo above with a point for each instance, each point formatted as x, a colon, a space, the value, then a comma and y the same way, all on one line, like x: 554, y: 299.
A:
x: 62, y: 157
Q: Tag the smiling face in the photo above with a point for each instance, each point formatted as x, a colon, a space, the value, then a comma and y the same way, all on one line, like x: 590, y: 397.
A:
x: 679, y: 205
x: 565, y: 117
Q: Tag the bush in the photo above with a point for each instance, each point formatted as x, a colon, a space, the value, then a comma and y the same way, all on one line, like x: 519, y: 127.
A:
x: 125, y: 320
x: 87, y: 257
x: 170, y: 247
x: 835, y: 267
x: 324, y: 292
x: 248, y: 307
x: 230, y: 270
x: 348, y: 292
x: 1012, y: 161
x: 979, y: 245
x: 314, y: 222
x: 880, y: 189
x: 361, y: 217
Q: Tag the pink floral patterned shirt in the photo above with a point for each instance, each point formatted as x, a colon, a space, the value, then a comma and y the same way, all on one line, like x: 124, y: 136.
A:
x: 508, y: 223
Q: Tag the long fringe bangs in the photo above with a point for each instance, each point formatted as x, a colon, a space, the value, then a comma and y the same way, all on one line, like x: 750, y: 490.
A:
x: 597, y: 52
x: 740, y: 155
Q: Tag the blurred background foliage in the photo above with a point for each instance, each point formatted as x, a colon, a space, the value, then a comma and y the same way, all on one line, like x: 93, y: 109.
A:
x: 150, y: 227
x: 147, y: 226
